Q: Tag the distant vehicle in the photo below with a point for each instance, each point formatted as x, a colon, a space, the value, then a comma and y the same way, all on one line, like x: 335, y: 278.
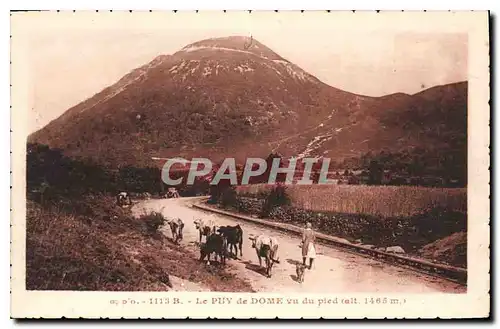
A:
x: 123, y: 199
x: 172, y: 193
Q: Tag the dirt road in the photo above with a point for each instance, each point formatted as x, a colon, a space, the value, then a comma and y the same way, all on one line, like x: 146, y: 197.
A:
x: 334, y: 270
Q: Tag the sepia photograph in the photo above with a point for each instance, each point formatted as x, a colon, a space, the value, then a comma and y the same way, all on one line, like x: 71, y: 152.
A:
x: 265, y: 154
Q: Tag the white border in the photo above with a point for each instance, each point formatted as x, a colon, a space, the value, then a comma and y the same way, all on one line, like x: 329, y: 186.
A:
x: 186, y: 4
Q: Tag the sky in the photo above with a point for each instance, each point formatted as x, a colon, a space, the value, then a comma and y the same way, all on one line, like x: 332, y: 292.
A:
x: 70, y: 63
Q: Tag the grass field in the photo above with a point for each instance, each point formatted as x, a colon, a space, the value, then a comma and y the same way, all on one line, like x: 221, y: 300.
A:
x: 380, y: 201
x: 91, y: 244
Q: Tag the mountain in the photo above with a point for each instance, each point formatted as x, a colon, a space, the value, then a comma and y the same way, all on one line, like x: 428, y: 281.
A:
x: 434, y: 119
x: 235, y: 97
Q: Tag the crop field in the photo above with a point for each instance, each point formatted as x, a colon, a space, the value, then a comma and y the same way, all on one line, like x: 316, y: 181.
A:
x: 380, y: 201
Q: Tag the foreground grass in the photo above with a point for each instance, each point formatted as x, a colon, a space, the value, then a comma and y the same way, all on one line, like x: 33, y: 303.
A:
x: 91, y: 244
x: 381, y: 201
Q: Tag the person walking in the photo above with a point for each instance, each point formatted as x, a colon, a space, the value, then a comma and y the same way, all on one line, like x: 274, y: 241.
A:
x: 308, y: 248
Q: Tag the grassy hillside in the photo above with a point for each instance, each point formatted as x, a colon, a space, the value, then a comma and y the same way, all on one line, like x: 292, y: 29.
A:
x: 90, y: 244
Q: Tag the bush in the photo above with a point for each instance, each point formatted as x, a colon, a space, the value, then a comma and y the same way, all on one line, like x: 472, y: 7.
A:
x: 277, y: 197
x: 153, y: 221
x: 250, y: 205
x: 228, y: 197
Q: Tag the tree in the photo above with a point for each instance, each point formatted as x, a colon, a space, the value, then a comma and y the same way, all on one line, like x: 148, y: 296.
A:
x: 375, y: 173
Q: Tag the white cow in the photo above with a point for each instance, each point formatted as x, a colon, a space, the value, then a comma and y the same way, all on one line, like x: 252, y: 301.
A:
x: 267, y: 248
x: 205, y: 227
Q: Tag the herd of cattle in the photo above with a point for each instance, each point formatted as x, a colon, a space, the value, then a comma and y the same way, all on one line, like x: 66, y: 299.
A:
x: 220, y: 241
x: 224, y: 241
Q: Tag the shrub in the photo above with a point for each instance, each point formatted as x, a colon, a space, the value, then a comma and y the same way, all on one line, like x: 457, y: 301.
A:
x: 277, y: 197
x: 228, y: 197
x: 153, y: 221
x: 250, y: 205
x: 216, y: 191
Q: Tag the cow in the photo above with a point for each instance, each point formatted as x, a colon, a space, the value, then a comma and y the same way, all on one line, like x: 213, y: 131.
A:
x: 267, y: 248
x: 123, y: 199
x: 205, y: 227
x: 215, y: 243
x: 234, y: 238
x: 176, y: 226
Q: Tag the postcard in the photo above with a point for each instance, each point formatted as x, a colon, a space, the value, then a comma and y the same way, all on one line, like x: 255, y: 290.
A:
x: 314, y: 164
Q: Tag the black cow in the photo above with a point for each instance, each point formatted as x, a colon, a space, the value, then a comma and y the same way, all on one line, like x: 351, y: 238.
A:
x: 215, y: 244
x: 234, y: 238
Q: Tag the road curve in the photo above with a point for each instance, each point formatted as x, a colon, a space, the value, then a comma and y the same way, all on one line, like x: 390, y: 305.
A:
x: 334, y: 271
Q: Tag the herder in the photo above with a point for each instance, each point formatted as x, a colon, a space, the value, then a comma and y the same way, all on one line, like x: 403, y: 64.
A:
x: 308, y: 248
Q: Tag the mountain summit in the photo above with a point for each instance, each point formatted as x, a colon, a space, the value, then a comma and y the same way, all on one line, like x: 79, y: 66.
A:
x: 236, y: 97
x: 234, y: 43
